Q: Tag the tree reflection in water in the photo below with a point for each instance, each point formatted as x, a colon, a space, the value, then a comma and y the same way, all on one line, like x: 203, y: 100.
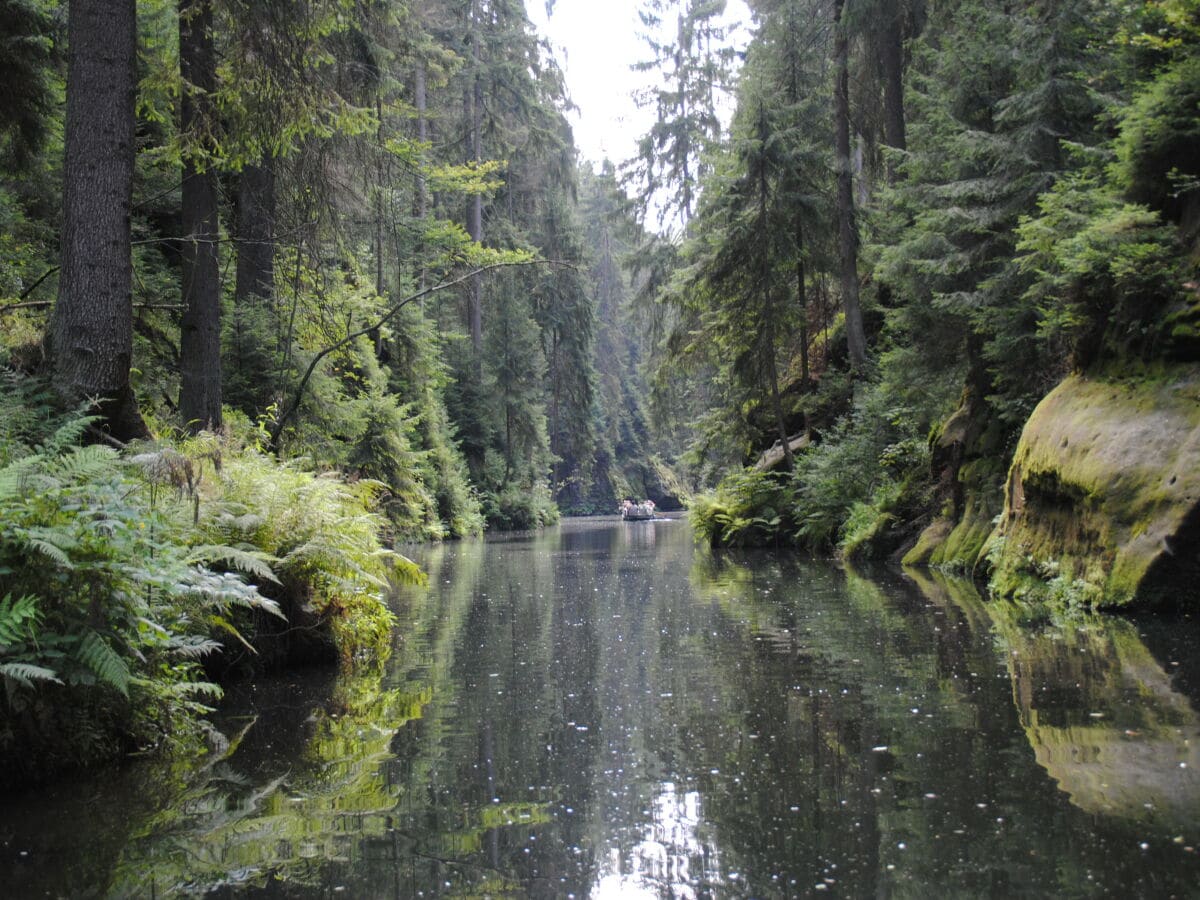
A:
x: 603, y: 710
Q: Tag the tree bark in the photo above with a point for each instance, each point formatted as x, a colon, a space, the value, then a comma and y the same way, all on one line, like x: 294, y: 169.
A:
x: 802, y: 302
x: 847, y: 230
x: 475, y: 210
x: 200, y: 330
x: 255, y: 275
x: 420, y: 101
x: 891, y: 58
x: 92, y: 326
x: 768, y: 302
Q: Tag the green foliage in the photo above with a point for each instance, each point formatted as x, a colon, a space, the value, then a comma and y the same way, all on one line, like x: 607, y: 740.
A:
x: 1158, y: 159
x: 104, y: 588
x: 749, y: 507
x: 1105, y: 272
x: 320, y: 533
x: 118, y: 571
x: 28, y: 79
x: 859, y: 467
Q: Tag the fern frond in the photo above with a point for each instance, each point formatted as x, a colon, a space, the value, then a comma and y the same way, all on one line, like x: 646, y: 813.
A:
x: 14, y: 477
x: 405, y: 571
x: 204, y: 689
x: 251, y: 562
x: 258, y: 601
x: 85, y: 463
x: 95, y: 653
x: 26, y: 674
x: 68, y: 434
x: 225, y: 625
x: 41, y: 544
x: 194, y: 646
x: 17, y: 618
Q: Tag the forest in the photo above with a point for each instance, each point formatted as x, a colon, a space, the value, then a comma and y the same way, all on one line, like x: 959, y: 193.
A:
x: 287, y: 284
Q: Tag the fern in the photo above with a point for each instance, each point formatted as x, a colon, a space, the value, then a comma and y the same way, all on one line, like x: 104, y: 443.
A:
x: 95, y: 653
x: 26, y: 674
x: 226, y: 589
x: 69, y: 434
x: 17, y: 618
x: 254, y: 563
x: 42, y: 540
x: 84, y: 464
x: 193, y: 646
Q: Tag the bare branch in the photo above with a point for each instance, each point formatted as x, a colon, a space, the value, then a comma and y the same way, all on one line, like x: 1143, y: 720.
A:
x: 294, y: 404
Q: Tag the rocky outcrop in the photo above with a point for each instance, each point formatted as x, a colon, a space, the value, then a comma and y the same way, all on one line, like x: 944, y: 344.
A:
x: 967, y: 465
x: 1102, y: 504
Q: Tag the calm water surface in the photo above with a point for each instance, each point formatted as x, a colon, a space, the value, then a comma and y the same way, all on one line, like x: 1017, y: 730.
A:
x: 603, y: 711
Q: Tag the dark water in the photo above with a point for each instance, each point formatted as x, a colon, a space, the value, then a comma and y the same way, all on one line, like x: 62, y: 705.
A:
x: 603, y: 711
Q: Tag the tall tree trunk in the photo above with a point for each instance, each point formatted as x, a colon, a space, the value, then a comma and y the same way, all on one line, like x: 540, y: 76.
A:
x: 255, y: 275
x: 254, y: 286
x: 421, y: 188
x: 768, y: 303
x: 92, y: 326
x: 802, y: 302
x: 200, y: 330
x: 847, y: 230
x: 421, y: 102
x: 475, y: 210
x: 891, y: 57
x: 381, y: 179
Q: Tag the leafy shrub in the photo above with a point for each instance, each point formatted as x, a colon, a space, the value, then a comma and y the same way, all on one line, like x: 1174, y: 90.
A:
x: 748, y: 507
x: 105, y: 609
x: 320, y: 533
x: 519, y: 509
x: 120, y: 573
x: 851, y: 477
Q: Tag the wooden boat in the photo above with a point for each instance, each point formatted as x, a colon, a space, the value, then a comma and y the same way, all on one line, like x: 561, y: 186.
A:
x: 637, y: 512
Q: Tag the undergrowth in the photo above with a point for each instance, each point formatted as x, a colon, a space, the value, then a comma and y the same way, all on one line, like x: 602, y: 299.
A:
x: 123, y: 572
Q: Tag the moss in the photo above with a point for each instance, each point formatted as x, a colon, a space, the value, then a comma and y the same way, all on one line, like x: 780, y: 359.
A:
x: 931, y: 538
x: 1103, y: 488
x: 964, y: 545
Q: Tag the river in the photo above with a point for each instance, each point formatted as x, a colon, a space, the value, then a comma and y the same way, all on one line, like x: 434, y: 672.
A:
x: 603, y: 710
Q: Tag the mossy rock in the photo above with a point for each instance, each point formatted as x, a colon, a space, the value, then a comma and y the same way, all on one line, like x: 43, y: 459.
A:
x: 931, y: 538
x: 1103, y: 496
x: 968, y: 452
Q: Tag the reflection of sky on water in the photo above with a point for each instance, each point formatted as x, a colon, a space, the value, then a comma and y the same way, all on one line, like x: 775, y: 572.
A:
x: 671, y: 860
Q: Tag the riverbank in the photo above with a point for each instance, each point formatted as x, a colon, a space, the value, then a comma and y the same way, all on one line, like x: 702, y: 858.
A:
x: 133, y: 581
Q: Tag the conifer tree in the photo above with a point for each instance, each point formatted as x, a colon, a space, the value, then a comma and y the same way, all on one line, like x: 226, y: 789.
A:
x: 92, y: 327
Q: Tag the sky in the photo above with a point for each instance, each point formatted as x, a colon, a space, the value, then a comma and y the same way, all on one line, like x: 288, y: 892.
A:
x: 596, y: 42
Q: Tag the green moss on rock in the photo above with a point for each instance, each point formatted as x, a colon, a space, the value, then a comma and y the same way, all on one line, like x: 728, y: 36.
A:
x: 1103, y: 496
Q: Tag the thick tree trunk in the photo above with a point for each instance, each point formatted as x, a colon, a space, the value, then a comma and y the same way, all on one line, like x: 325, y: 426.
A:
x: 769, y: 307
x: 92, y: 326
x: 847, y: 230
x: 891, y: 58
x: 200, y: 330
x: 473, y: 104
x: 255, y: 276
x: 254, y: 288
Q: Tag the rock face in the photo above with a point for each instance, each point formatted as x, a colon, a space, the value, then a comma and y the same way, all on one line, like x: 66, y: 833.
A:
x: 1103, y: 498
x: 968, y: 466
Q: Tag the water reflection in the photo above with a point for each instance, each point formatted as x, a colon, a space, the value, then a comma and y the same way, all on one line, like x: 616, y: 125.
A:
x: 602, y: 711
x: 1100, y: 712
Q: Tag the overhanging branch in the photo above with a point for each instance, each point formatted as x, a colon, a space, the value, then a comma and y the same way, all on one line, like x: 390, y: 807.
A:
x: 294, y: 404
